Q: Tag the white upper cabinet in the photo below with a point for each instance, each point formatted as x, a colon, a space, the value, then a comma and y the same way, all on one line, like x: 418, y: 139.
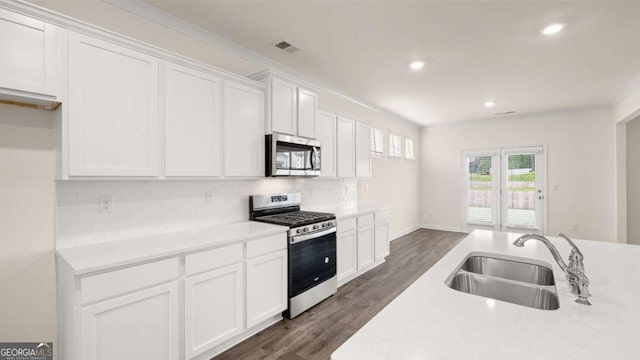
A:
x: 346, y: 147
x: 112, y: 109
x: 243, y: 130
x: 326, y: 134
x: 283, y: 107
x: 307, y: 113
x: 293, y: 107
x: 363, y: 152
x: 29, y: 55
x: 193, y: 122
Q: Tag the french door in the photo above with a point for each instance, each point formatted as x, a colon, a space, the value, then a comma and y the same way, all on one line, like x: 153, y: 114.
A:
x: 504, y: 189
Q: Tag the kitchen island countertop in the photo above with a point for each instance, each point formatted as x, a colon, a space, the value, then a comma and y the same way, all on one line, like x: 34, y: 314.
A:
x: 431, y: 321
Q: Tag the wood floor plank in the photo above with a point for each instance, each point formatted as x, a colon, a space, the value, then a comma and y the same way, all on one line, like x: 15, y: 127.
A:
x: 318, y: 332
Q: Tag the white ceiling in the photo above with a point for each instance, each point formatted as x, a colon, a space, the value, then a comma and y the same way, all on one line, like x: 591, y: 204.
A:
x: 474, y: 51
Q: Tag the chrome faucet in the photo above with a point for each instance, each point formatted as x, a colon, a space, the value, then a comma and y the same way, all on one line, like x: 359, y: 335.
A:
x: 578, y: 281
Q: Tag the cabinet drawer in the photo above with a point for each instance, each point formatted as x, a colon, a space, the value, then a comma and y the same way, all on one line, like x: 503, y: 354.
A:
x: 365, y: 220
x: 346, y: 224
x: 382, y: 217
x: 266, y: 245
x: 112, y: 283
x: 211, y: 259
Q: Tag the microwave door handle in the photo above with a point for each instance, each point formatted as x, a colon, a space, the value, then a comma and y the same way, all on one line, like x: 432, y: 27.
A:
x: 313, y: 158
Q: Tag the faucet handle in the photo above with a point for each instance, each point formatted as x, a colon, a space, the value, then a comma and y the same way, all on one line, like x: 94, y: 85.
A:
x: 575, y: 257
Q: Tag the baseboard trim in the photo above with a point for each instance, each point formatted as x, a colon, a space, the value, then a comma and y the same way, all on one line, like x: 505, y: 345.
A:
x: 403, y: 233
x: 441, y: 228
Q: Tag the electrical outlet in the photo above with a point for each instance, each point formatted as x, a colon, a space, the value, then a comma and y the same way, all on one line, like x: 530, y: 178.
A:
x: 106, y: 204
x: 208, y: 197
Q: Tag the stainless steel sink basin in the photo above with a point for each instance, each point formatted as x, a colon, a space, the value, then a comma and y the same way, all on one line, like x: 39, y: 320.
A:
x: 510, y: 279
x: 509, y: 269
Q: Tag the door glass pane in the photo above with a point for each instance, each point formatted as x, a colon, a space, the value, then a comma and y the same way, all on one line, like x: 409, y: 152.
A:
x: 521, y: 191
x: 480, y: 191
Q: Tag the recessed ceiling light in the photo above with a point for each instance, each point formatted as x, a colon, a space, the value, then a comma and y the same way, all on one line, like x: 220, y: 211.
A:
x: 552, y: 28
x: 416, y: 65
x: 489, y: 103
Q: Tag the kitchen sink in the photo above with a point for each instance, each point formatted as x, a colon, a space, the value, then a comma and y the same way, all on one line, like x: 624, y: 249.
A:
x: 514, y: 280
x: 509, y: 269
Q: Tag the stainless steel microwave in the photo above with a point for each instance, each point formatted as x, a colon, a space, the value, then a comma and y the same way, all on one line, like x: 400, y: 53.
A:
x: 291, y: 156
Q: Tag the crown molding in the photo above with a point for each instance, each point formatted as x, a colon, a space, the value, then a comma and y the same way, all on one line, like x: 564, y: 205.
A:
x: 605, y: 108
x: 167, y: 20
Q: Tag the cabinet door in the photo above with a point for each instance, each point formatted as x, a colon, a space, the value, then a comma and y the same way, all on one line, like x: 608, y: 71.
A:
x: 266, y: 287
x: 142, y: 325
x: 365, y: 247
x: 381, y: 238
x: 243, y: 130
x: 192, y: 122
x: 307, y: 113
x: 214, y: 305
x: 326, y: 134
x: 28, y: 61
x: 346, y: 147
x: 283, y: 107
x: 113, y: 109
x: 346, y: 252
x: 363, y: 151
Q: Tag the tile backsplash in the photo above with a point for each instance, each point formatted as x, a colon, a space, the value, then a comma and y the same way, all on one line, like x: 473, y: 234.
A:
x: 146, y: 207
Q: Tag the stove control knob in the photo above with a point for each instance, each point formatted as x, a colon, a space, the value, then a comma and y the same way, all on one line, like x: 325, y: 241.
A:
x: 324, y: 224
x: 298, y: 231
x: 306, y: 229
x: 316, y: 227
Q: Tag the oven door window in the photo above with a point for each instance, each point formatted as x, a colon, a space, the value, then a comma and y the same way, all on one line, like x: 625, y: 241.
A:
x: 311, y: 262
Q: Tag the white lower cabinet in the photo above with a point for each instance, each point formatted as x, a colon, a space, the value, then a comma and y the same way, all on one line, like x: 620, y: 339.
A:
x: 346, y: 250
x: 213, y: 308
x: 362, y: 244
x: 381, y: 241
x: 266, y: 287
x: 140, y: 325
x: 365, y: 247
x: 191, y: 306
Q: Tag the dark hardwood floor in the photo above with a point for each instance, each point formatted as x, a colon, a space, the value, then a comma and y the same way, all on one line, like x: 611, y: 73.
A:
x: 316, y: 333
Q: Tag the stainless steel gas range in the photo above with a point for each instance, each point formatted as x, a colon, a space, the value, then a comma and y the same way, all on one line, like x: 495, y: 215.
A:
x: 312, y: 248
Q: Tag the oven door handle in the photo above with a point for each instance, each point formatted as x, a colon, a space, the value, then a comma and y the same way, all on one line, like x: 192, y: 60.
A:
x: 300, y: 238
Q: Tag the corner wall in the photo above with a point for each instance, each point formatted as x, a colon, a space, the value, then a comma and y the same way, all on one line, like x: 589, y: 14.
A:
x: 633, y: 181
x: 27, y: 271
x: 580, y: 161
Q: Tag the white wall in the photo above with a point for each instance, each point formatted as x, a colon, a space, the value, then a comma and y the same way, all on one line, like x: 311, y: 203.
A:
x: 153, y: 206
x: 580, y: 153
x: 27, y: 272
x: 633, y: 182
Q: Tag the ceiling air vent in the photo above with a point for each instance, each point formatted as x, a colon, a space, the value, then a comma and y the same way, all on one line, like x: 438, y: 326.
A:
x: 286, y: 46
x: 505, y: 113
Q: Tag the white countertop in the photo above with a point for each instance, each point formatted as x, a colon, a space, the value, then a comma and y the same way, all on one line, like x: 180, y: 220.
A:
x: 101, y: 256
x: 431, y: 321
x: 347, y: 212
